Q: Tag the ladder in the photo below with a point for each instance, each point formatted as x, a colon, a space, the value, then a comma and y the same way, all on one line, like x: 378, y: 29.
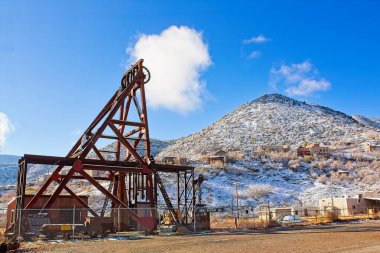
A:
x: 105, y: 204
x: 163, y: 190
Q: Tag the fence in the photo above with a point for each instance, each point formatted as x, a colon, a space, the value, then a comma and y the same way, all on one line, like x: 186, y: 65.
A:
x: 250, y: 217
x: 81, y: 223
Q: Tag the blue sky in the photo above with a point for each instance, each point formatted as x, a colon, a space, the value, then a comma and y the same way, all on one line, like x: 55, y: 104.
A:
x: 61, y: 61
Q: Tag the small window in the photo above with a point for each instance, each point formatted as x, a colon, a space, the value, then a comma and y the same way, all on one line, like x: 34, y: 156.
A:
x: 353, y: 207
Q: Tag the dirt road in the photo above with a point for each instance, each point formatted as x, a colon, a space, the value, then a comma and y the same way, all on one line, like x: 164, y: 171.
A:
x: 358, y: 237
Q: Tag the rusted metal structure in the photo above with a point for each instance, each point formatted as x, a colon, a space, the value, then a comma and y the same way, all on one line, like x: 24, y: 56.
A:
x: 133, y: 176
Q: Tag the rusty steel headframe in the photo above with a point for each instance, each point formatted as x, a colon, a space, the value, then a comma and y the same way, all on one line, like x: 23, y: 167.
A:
x: 131, y: 167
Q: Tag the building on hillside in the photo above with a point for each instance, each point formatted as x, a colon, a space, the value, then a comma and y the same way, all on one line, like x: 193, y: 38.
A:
x: 371, y: 142
x: 216, y: 160
x: 347, y: 205
x: 235, y: 154
x: 218, y: 157
x: 313, y: 149
x: 220, y: 153
x: 303, y: 151
x: 316, y: 149
x: 174, y: 160
x: 248, y: 153
x: 371, y: 146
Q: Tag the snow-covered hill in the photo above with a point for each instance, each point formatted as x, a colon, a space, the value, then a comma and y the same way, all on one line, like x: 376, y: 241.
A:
x: 284, y: 179
x: 272, y: 120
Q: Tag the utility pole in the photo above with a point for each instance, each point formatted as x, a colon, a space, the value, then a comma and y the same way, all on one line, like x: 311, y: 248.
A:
x: 237, y: 206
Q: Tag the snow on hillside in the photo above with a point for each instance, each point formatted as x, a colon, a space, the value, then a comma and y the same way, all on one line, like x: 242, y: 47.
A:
x: 367, y: 121
x: 278, y: 120
x: 268, y: 181
x: 271, y: 120
x: 8, y: 169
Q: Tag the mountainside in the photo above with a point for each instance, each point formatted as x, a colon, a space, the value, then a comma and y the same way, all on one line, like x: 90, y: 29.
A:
x: 367, y: 121
x: 272, y: 120
x: 8, y: 169
x: 283, y: 179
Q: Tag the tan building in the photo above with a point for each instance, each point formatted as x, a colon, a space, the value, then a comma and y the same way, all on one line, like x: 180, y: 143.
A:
x: 349, y: 205
x: 235, y: 154
x: 217, y: 157
x: 313, y: 149
x: 175, y: 160
x: 316, y: 149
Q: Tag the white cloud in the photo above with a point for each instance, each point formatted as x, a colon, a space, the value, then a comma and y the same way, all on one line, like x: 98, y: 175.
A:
x: 298, y: 79
x: 255, y: 54
x: 257, y: 39
x: 176, y: 58
x: 5, y: 128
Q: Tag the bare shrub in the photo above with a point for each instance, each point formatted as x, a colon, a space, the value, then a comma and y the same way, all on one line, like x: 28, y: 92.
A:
x: 294, y: 164
x: 257, y: 191
x: 322, y: 179
x: 336, y: 165
x: 375, y: 165
x: 350, y: 165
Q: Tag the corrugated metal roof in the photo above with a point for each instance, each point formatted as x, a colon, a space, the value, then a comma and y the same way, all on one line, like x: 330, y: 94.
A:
x: 372, y: 198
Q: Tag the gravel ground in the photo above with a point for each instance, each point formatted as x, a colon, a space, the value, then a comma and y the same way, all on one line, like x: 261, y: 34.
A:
x: 357, y: 237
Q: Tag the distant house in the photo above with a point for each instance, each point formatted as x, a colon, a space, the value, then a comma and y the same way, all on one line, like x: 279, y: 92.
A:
x: 235, y: 154
x: 220, y: 153
x: 347, y: 205
x: 218, y: 157
x: 248, y: 153
x: 303, y: 151
x: 215, y: 160
x: 313, y: 149
x: 371, y: 146
x: 316, y: 149
x: 174, y: 160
